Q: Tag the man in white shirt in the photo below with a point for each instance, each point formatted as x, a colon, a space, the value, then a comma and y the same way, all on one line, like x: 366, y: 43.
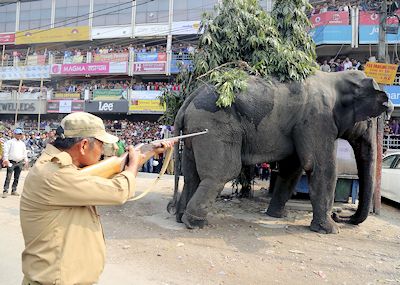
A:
x: 14, y: 158
x: 347, y: 64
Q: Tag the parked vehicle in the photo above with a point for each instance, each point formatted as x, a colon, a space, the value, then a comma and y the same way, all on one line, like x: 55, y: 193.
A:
x: 390, y: 186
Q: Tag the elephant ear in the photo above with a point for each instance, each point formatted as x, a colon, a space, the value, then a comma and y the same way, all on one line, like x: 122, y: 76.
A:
x: 369, y: 100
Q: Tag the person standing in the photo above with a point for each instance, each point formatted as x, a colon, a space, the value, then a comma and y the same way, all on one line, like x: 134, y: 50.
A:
x: 14, y: 158
x: 64, y: 241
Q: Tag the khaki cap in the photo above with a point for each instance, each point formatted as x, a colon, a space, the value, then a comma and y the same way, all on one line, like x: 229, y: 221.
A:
x: 82, y: 124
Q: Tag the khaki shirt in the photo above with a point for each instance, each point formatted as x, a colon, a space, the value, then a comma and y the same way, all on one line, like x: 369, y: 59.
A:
x: 64, y: 241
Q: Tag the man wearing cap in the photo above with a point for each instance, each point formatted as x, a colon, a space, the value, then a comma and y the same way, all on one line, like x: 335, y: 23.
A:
x: 14, y: 158
x: 64, y: 241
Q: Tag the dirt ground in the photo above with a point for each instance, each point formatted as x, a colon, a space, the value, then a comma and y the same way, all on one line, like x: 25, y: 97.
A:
x: 240, y: 246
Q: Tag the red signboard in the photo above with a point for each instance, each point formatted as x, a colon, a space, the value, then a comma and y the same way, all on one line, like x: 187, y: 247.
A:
x: 149, y: 67
x: 7, y: 39
x: 371, y: 18
x: 330, y: 18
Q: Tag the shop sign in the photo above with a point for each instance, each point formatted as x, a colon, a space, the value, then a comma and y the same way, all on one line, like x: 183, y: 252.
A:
x: 149, y: 67
x: 90, y: 68
x: 24, y: 107
x: 65, y: 106
x: 7, y: 39
x: 24, y: 72
x: 109, y: 94
x: 120, y: 106
x: 64, y: 34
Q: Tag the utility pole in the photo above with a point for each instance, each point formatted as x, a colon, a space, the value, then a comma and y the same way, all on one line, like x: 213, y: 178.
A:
x: 380, y: 120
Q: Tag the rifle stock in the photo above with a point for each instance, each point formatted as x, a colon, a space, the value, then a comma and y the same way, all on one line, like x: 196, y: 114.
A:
x: 107, y: 167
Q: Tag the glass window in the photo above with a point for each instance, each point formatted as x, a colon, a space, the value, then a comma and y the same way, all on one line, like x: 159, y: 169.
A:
x: 187, y: 10
x: 152, y: 12
x: 112, y: 12
x: 71, y: 13
x: 387, y: 161
x: 267, y: 5
x: 35, y: 15
x: 8, y: 16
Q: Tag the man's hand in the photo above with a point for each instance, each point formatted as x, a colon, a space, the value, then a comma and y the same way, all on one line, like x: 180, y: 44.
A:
x: 26, y: 164
x: 6, y: 163
x: 137, y: 158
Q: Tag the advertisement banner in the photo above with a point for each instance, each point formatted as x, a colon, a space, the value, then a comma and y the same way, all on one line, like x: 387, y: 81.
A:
x: 149, y: 67
x: 151, y: 56
x: 73, y: 59
x: 24, y: 107
x: 369, y: 34
x: 145, y: 102
x: 393, y: 91
x: 65, y: 34
x: 331, y: 35
x: 24, y: 72
x: 7, y: 39
x: 111, y: 32
x: 111, y: 57
x: 90, y: 68
x: 109, y: 94
x: 66, y: 95
x: 372, y: 18
x: 36, y: 60
x: 330, y: 18
x: 65, y: 106
x: 151, y: 30
x: 186, y: 28
x: 382, y: 72
x: 121, y: 106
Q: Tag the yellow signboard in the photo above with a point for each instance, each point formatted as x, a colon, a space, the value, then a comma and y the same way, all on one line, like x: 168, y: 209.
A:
x: 67, y: 96
x: 383, y: 73
x: 65, y: 34
x: 146, y: 105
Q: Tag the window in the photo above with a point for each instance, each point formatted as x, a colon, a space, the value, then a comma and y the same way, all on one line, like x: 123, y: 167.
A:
x: 35, y: 15
x: 187, y: 10
x: 398, y: 163
x: 152, y: 12
x: 7, y: 17
x: 388, y: 161
x: 72, y: 13
x: 112, y: 12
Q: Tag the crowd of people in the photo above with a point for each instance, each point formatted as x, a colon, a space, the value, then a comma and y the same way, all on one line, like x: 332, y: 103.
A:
x: 338, y: 64
x: 393, y: 127
x: 20, y: 55
x: 346, y: 5
x: 129, y: 133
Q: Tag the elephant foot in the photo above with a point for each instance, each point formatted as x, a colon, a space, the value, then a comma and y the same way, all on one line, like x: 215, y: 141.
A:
x: 178, y: 217
x: 280, y: 213
x: 193, y: 222
x: 327, y: 226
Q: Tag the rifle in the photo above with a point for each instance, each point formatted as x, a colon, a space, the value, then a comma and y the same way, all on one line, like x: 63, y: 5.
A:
x: 113, y: 165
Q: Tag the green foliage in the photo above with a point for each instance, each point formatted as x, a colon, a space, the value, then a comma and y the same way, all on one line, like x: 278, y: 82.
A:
x: 243, y: 39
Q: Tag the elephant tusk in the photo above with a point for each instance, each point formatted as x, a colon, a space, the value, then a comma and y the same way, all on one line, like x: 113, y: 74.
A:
x: 386, y: 104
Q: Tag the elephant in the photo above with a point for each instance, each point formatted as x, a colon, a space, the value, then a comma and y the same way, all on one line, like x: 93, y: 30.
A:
x: 293, y: 123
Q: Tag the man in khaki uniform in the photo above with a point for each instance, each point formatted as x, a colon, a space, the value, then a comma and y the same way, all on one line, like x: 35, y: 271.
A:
x: 64, y: 241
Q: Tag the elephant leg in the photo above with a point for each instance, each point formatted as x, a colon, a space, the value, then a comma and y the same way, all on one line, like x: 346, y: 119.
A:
x: 217, y: 163
x: 322, y: 182
x: 192, y: 181
x: 290, y: 171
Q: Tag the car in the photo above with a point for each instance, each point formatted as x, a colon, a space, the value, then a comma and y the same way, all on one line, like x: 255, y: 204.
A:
x: 390, y: 186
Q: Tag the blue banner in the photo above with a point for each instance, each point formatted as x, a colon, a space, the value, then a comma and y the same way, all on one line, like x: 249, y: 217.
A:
x: 176, y: 64
x: 147, y: 56
x: 369, y: 34
x: 331, y: 35
x: 393, y: 92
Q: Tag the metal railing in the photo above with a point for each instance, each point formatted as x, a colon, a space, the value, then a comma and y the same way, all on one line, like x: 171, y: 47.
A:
x: 391, y: 142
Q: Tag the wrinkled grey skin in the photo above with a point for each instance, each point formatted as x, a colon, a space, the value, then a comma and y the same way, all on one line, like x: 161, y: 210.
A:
x: 295, y: 124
